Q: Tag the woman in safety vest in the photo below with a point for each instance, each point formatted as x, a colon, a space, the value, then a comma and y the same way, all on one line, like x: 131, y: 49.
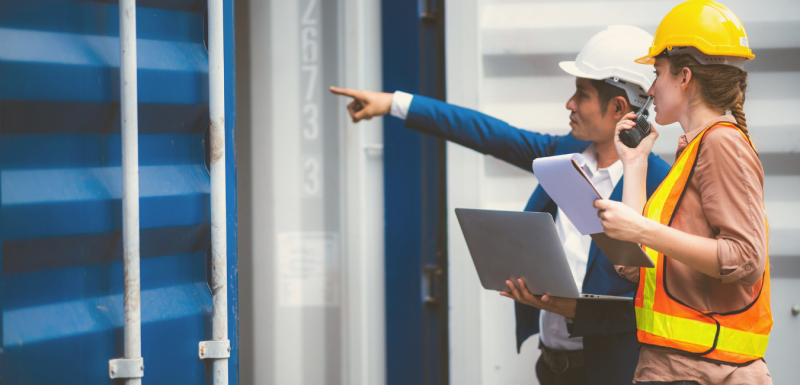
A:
x: 703, y: 313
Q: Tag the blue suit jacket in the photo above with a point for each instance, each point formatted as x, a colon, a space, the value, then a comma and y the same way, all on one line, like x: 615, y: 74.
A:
x: 608, y: 328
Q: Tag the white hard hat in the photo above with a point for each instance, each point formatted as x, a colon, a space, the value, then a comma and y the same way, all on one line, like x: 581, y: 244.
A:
x: 610, y: 56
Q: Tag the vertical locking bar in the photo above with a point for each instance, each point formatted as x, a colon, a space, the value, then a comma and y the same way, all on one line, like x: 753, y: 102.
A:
x: 130, y: 199
x: 219, y: 244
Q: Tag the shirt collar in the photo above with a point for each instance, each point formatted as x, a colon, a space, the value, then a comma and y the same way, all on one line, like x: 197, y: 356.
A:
x: 614, y: 171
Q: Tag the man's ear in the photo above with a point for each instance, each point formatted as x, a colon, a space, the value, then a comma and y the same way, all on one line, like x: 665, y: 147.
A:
x: 618, y: 107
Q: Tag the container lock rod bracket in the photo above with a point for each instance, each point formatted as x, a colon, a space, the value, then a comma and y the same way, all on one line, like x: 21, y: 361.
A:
x: 126, y: 368
x: 214, y: 349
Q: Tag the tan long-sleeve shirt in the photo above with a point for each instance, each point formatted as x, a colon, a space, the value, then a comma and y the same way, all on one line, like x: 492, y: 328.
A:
x: 724, y: 200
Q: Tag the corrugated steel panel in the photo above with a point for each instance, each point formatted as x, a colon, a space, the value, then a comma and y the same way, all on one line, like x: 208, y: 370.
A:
x: 61, y: 190
x: 521, y: 44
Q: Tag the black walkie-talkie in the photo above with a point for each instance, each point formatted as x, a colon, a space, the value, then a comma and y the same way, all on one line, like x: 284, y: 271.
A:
x: 641, y: 128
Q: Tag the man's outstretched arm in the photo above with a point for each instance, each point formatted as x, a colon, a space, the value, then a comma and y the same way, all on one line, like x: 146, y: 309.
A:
x: 461, y: 125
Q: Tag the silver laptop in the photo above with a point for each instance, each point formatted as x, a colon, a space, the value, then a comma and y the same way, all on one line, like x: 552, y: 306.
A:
x: 518, y: 244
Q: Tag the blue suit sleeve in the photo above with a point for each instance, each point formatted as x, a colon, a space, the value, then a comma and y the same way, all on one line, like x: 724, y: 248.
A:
x: 479, y: 132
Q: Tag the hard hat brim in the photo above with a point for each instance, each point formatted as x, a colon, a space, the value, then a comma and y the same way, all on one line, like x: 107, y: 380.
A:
x: 647, y: 59
x: 571, y: 68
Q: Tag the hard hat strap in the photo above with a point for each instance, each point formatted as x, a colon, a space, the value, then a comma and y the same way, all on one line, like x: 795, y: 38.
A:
x: 637, y: 96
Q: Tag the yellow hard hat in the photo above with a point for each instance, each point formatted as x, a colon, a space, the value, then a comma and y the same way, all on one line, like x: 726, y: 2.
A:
x: 707, y: 25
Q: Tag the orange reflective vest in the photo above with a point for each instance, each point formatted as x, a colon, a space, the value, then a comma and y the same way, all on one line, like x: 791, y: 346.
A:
x: 736, y: 338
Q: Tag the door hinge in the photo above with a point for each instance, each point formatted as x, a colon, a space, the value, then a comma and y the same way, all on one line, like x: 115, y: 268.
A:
x: 431, y: 282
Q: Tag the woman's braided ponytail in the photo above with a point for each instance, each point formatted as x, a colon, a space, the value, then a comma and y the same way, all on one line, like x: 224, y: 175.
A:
x: 738, y: 113
x: 737, y: 110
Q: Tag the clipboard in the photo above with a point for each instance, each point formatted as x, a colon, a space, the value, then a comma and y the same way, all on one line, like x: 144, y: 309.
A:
x: 564, y: 180
x: 622, y: 252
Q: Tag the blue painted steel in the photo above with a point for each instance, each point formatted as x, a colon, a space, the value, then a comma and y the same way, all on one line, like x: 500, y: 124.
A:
x: 60, y: 183
x: 402, y: 199
x: 231, y: 189
x: 416, y: 330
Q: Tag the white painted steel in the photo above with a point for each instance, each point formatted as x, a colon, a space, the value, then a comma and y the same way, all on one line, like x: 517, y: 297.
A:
x: 298, y: 49
x: 214, y: 349
x: 463, y: 190
x: 130, y: 184
x: 219, y: 243
x: 363, y: 302
x: 546, y: 27
x: 482, y: 338
x: 126, y: 368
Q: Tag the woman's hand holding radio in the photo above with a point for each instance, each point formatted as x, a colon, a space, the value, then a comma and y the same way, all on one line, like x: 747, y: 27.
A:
x: 638, y: 154
x: 634, y: 163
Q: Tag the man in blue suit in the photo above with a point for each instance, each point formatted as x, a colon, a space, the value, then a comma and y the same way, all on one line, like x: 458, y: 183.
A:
x: 582, y: 341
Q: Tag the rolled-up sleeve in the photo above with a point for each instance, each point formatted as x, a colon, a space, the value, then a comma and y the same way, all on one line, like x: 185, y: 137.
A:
x: 731, y: 182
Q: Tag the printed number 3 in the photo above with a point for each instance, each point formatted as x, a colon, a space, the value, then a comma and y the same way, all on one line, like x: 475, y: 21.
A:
x: 311, y: 132
x: 313, y: 184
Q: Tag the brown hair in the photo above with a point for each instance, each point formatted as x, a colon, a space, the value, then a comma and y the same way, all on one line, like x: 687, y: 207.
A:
x: 720, y: 87
x: 606, y: 92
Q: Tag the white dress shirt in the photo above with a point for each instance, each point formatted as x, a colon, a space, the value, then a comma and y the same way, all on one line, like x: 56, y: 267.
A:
x: 576, y: 246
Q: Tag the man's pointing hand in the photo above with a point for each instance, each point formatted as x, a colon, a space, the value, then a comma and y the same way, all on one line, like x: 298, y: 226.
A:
x: 365, y: 104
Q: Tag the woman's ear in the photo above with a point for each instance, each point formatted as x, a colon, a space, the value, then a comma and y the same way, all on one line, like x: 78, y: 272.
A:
x: 686, y: 77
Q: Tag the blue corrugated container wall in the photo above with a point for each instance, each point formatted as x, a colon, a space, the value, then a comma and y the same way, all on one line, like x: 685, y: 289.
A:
x: 61, y: 190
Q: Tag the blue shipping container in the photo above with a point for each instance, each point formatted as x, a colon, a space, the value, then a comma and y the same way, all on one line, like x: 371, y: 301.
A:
x: 61, y: 190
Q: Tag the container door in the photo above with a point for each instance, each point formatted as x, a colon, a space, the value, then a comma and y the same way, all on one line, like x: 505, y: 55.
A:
x: 61, y: 187
x: 312, y: 194
x: 415, y: 193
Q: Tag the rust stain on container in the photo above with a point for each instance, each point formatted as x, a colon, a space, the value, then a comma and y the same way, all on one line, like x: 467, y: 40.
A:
x: 217, y: 139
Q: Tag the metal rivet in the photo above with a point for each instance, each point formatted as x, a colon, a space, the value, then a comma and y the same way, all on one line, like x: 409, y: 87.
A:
x: 795, y: 309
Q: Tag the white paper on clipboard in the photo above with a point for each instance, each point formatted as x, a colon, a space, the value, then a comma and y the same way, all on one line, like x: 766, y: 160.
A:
x: 564, y: 180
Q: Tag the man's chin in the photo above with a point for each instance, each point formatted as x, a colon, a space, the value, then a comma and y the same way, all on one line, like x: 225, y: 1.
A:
x: 580, y: 136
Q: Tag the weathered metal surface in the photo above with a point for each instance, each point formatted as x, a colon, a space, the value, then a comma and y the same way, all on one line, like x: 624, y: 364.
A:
x: 132, y: 329
x: 128, y: 368
x: 214, y: 349
x: 61, y: 186
x: 219, y: 241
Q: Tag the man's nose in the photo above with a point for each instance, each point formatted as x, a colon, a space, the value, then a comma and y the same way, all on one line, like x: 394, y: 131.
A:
x: 571, y: 105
